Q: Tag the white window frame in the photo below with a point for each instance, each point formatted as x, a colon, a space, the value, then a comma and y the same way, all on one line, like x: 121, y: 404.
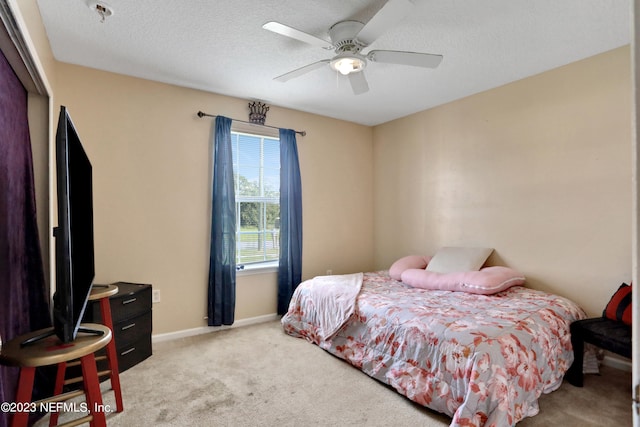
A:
x: 270, y: 266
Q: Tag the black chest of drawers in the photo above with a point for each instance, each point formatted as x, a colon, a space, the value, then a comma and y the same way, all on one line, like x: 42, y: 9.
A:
x: 132, y: 323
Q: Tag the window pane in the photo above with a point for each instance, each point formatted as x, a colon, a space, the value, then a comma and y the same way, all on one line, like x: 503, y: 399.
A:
x: 273, y: 216
x: 256, y: 168
x: 271, y: 182
x: 258, y: 238
x: 248, y: 181
x: 248, y: 150
x: 234, y: 149
x: 249, y: 216
x: 272, y: 153
x: 248, y: 248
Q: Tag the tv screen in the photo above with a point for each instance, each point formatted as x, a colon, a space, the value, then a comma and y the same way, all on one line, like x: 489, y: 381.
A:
x: 75, y: 266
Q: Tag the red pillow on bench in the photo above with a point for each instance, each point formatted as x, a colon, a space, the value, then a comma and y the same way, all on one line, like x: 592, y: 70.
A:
x: 619, y: 307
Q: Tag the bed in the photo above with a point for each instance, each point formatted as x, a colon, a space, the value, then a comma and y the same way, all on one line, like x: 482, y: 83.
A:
x: 484, y: 360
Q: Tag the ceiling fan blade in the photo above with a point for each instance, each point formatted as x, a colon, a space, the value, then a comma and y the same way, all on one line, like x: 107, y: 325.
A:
x: 358, y: 83
x: 291, y: 32
x: 387, y: 17
x: 415, y: 59
x: 302, y: 70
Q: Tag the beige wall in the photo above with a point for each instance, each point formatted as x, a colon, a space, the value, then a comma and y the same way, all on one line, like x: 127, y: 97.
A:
x: 151, y: 164
x: 539, y: 169
x: 28, y: 18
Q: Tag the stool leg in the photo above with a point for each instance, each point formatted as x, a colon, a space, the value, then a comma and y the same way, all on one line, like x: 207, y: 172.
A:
x: 62, y: 368
x: 112, y: 356
x: 23, y: 395
x: 92, y: 390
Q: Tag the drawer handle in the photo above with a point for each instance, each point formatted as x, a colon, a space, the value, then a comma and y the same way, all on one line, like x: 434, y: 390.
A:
x: 124, y: 328
x: 124, y: 353
x: 129, y: 301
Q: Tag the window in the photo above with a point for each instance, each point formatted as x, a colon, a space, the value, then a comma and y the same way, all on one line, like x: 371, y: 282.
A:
x: 256, y: 173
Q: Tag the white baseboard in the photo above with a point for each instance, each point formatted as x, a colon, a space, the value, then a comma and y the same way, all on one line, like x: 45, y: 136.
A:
x: 208, y: 329
x: 616, y: 363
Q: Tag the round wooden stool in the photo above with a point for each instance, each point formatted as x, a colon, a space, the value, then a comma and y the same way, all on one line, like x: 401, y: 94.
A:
x: 50, y: 351
x: 99, y: 293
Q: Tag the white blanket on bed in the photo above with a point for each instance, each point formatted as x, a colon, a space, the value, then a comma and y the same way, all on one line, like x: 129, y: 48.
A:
x: 334, y: 298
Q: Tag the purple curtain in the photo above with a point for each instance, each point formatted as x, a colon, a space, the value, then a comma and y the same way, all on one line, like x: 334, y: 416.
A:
x: 24, y: 301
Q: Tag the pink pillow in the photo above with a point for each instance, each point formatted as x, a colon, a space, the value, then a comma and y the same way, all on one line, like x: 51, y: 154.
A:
x: 405, y: 263
x: 486, y: 281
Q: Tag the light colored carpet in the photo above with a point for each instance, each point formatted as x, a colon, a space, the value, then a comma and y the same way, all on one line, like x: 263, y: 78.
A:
x: 259, y: 376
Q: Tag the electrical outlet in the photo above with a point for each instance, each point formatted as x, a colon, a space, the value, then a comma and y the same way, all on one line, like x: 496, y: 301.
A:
x: 155, y: 296
x: 329, y: 272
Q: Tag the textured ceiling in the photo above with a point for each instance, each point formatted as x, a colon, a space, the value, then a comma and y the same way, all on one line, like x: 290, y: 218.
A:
x: 220, y: 46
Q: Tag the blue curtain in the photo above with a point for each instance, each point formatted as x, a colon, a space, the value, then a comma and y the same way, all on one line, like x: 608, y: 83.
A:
x: 222, y: 257
x: 290, y: 263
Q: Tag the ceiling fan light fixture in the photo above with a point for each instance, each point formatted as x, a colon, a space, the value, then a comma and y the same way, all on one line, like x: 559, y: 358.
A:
x: 348, y: 64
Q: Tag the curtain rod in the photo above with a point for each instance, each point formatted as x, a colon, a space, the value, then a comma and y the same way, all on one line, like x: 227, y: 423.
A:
x: 300, y: 132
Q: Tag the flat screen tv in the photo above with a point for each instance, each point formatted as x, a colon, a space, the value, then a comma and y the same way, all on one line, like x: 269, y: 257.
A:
x: 74, y: 252
x: 75, y: 267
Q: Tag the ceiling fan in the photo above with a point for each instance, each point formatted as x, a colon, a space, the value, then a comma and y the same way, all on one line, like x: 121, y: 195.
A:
x: 349, y: 38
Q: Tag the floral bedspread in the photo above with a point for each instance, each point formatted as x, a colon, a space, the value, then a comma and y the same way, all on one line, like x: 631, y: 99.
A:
x: 483, y: 360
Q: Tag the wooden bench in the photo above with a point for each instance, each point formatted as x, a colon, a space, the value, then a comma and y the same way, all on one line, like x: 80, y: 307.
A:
x: 604, y: 333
